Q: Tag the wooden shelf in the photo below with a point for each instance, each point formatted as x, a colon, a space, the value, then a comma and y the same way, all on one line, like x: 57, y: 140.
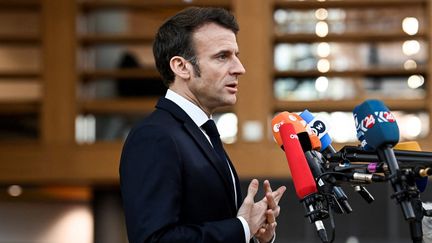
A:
x: 114, y: 39
x: 118, y: 106
x: 13, y: 108
x: 19, y: 39
x: 347, y: 4
x: 150, y: 4
x: 28, y: 4
x: 348, y: 37
x: 120, y: 73
x: 347, y: 105
x: 25, y: 74
x: 351, y: 73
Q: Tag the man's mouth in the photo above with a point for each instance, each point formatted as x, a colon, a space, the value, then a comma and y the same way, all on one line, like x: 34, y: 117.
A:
x: 232, y: 87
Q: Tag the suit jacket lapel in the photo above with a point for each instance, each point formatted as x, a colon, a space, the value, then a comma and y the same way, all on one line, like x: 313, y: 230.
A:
x: 202, y: 142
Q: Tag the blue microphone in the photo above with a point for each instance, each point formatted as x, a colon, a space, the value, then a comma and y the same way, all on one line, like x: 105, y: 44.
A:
x: 381, y: 133
x: 376, y: 123
x: 320, y: 128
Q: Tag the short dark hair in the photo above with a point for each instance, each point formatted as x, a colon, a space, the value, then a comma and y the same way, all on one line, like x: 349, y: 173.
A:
x: 174, y: 37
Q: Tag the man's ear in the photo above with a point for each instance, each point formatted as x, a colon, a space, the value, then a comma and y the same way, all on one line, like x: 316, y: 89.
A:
x: 180, y: 67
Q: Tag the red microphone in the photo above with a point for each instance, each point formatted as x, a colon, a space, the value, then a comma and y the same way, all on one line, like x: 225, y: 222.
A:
x: 302, y: 177
x: 304, y: 182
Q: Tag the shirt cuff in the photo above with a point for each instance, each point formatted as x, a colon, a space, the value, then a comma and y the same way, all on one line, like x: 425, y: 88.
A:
x: 255, y: 240
x: 273, y: 238
x: 245, y: 228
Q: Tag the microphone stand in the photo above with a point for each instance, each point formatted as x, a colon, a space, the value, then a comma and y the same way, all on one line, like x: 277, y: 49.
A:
x: 408, y: 199
x: 398, y: 181
x: 415, y: 225
x: 403, y: 181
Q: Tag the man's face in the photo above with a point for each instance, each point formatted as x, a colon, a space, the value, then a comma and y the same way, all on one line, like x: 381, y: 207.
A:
x: 217, y: 54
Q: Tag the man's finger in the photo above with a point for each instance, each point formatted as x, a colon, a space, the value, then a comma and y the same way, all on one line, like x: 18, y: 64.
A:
x: 277, y: 195
x: 270, y: 216
x: 252, y: 190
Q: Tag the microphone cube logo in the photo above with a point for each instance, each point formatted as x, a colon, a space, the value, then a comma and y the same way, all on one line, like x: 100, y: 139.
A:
x: 318, y: 127
x: 385, y: 116
x: 363, y: 125
x: 277, y: 126
x: 368, y: 122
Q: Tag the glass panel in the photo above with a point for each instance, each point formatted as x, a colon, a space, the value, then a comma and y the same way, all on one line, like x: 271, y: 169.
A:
x: 227, y: 124
x: 109, y: 21
x: 307, y: 89
x: 411, y: 87
x: 336, y: 88
x: 116, y: 56
x: 122, y: 88
x: 90, y: 128
x: 349, y: 56
x: 349, y: 20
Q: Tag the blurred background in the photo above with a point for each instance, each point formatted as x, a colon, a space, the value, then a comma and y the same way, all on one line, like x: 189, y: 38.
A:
x: 76, y: 75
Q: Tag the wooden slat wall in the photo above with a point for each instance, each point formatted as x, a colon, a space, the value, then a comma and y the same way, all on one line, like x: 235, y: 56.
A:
x: 56, y: 158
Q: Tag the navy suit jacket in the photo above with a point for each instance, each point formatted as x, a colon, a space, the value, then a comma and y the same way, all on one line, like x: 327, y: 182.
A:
x: 173, y: 187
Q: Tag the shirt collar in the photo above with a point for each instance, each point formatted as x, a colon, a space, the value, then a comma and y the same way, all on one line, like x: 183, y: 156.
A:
x: 196, y: 114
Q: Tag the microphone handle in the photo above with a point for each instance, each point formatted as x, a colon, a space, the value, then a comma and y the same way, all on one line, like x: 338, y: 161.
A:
x: 342, y: 205
x: 316, y: 213
x: 342, y: 199
x: 386, y: 154
x: 364, y: 193
x: 329, y: 151
x: 404, y: 161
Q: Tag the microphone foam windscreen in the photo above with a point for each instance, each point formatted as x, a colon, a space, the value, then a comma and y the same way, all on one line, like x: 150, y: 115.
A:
x: 376, y: 123
x: 283, y: 118
x: 319, y: 127
x: 302, y: 177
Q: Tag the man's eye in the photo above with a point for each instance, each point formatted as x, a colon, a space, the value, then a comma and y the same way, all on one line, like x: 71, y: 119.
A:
x: 222, y: 57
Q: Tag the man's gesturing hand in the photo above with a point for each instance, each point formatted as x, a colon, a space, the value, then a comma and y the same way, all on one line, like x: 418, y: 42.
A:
x: 253, y: 213
x: 267, y: 230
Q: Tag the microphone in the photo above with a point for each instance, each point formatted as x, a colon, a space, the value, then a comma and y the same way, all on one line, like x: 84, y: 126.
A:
x: 303, y: 180
x: 286, y: 117
x: 378, y: 125
x: 309, y: 142
x: 423, y: 173
x: 313, y: 138
x: 320, y: 127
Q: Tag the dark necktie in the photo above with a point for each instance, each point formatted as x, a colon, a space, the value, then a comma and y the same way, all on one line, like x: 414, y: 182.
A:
x: 211, y: 130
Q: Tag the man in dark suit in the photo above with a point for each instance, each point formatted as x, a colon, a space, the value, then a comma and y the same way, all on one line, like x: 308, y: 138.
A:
x: 177, y: 182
